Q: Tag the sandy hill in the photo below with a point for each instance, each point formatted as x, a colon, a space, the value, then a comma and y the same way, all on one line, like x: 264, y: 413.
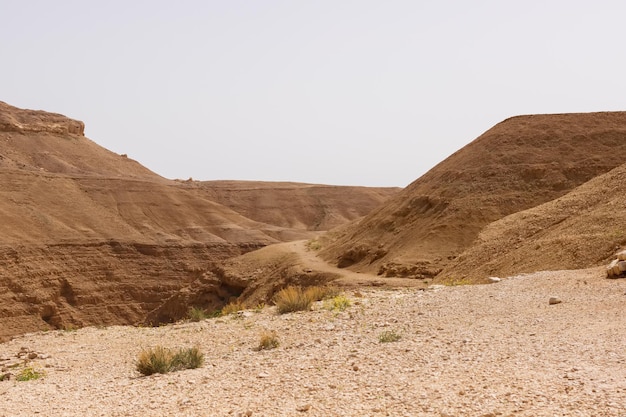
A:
x: 520, y: 163
x: 89, y: 236
x: 296, y: 205
x: 583, y: 228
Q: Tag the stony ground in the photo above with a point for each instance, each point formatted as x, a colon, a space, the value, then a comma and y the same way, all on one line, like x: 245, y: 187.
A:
x: 491, y: 350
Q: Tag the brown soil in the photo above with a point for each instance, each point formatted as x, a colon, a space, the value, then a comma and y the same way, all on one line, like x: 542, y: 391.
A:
x: 93, y: 237
x: 518, y: 164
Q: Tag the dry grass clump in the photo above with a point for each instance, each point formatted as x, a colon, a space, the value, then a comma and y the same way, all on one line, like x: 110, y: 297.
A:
x: 233, y: 307
x: 160, y: 360
x: 292, y: 299
x: 268, y: 341
x: 389, y: 336
x: 197, y: 314
x: 297, y: 299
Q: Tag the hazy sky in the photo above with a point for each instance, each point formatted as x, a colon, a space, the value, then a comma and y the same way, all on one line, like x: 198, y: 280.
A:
x: 356, y: 92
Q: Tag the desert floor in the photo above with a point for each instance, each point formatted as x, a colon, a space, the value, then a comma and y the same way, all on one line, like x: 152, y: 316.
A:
x: 485, y: 350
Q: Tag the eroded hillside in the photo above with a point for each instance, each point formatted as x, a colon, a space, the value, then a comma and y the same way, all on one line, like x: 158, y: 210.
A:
x: 520, y: 163
x: 583, y: 228
x: 92, y: 237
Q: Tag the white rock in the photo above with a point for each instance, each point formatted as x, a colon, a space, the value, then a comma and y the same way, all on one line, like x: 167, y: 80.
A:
x: 495, y: 279
x: 610, y: 270
x: 622, y: 266
x: 622, y: 255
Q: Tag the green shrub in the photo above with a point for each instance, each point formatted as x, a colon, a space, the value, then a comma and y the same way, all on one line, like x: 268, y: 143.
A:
x: 160, y: 360
x: 338, y: 303
x: 28, y: 374
x: 389, y: 336
x: 197, y: 314
x: 190, y: 358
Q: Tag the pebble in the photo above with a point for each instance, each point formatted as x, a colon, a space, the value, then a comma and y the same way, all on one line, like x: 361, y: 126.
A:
x: 302, y: 408
x: 554, y: 300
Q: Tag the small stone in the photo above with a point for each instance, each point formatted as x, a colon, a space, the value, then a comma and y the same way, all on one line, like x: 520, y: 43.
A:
x: 248, y: 413
x: 554, y: 300
x: 302, y: 408
x: 32, y: 355
x: 263, y: 375
x: 355, y: 367
x: 495, y: 279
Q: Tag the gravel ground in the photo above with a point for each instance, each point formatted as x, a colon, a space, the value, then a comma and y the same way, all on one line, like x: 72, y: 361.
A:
x: 490, y: 350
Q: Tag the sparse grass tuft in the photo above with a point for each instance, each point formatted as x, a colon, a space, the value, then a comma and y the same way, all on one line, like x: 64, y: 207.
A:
x: 337, y: 303
x: 160, y: 360
x: 190, y: 358
x: 314, y: 244
x: 317, y: 293
x: 29, y: 374
x: 292, y: 299
x: 197, y: 314
x: 389, y: 336
x: 268, y: 341
x: 233, y: 307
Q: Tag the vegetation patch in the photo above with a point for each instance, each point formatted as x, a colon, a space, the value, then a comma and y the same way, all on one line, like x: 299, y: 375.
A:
x: 197, y: 314
x: 389, y: 336
x: 337, y: 303
x: 160, y: 360
x: 233, y: 307
x: 29, y: 374
x: 268, y: 341
x: 292, y: 299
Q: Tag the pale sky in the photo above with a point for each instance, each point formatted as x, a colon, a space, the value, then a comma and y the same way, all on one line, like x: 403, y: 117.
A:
x: 358, y: 92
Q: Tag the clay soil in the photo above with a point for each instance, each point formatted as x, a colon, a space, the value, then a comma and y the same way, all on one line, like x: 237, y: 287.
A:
x: 483, y: 350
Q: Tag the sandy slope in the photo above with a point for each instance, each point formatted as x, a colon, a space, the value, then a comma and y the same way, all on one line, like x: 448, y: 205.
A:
x: 492, y: 350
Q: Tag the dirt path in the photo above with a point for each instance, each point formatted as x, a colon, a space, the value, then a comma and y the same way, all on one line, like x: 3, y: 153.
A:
x: 348, y: 278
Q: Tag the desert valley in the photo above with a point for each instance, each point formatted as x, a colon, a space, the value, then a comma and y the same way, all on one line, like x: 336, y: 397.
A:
x: 480, y: 289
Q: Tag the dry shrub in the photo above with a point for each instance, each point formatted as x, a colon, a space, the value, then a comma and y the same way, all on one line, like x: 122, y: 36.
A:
x: 197, y: 314
x: 317, y: 293
x: 389, y: 336
x: 160, y: 360
x: 268, y: 341
x: 292, y: 299
x: 233, y: 307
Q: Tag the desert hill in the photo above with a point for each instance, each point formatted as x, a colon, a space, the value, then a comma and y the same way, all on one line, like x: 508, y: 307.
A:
x: 296, y: 205
x: 583, y: 228
x: 518, y: 164
x: 92, y: 237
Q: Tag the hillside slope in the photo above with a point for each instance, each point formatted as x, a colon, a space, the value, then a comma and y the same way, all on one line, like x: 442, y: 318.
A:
x: 518, y: 164
x: 296, y: 205
x: 88, y: 236
x: 581, y: 229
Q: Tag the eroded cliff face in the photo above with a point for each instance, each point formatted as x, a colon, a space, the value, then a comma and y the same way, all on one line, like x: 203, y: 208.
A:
x: 13, y: 119
x: 90, y: 237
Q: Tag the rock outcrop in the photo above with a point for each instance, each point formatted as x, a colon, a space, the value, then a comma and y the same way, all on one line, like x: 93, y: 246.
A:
x: 13, y: 119
x: 617, y: 267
